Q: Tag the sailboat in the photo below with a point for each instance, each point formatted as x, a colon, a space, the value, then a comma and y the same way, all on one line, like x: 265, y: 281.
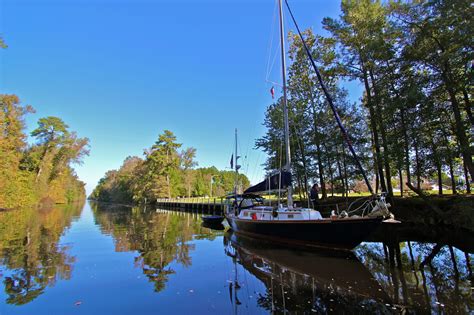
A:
x: 247, y: 214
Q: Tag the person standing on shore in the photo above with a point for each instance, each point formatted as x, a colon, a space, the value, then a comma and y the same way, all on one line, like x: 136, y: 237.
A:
x: 314, y: 195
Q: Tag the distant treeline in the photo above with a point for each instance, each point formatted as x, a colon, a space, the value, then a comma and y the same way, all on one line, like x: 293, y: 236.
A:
x: 40, y: 171
x: 164, y: 172
x: 415, y: 62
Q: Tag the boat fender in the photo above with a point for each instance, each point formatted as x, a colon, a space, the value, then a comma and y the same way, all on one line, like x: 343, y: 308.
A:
x: 343, y: 215
x: 275, y: 213
x: 333, y: 215
x: 254, y: 216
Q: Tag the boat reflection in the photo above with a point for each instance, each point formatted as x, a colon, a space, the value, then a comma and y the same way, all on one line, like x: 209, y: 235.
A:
x: 306, y: 282
x: 213, y: 226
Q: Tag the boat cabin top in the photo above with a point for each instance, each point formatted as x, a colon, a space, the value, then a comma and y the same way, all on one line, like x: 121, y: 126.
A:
x: 252, y: 207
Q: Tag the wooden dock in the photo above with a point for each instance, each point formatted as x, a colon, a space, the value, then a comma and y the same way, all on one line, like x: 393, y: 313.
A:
x: 213, y: 206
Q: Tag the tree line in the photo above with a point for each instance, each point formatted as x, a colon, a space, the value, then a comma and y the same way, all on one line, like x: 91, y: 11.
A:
x: 165, y: 171
x: 40, y: 171
x: 414, y: 124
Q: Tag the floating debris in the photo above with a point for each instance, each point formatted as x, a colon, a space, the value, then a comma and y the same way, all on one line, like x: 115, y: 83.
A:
x: 78, y: 303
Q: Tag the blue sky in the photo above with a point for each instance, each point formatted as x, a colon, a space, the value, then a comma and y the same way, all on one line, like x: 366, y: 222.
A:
x: 121, y: 71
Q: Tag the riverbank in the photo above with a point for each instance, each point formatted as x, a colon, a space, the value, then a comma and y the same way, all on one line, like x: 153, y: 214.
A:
x: 453, y: 211
x: 46, y: 203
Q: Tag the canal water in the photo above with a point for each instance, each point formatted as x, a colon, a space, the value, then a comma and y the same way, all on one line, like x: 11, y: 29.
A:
x: 106, y: 259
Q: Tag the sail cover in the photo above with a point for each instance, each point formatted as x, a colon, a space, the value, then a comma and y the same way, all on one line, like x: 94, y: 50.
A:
x: 272, y: 183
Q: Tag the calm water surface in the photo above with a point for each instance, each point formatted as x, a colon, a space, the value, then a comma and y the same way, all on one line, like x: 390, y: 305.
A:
x: 103, y: 259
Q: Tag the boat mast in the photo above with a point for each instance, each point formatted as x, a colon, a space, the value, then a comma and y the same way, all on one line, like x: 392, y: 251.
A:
x: 236, y: 189
x: 285, y: 104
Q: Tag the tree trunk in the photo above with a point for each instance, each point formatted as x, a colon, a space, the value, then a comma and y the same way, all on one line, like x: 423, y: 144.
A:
x: 427, y: 200
x: 406, y: 143
x: 400, y: 175
x: 440, y: 179
x: 345, y: 171
x: 169, y: 186
x: 373, y: 125
x: 418, y: 166
x: 453, y: 260
x: 322, y: 182
x: 339, y: 168
x: 298, y: 176
x: 435, y: 251
x: 303, y: 160
x: 319, y: 156
x: 386, y: 157
x: 377, y: 180
x: 468, y: 264
x: 467, y: 105
x: 331, y: 173
x: 451, y: 173
x: 460, y: 131
x: 466, y: 177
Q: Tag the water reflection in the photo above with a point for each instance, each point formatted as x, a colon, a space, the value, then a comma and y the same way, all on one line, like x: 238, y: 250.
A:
x: 160, y: 237
x: 306, y: 282
x: 168, y: 261
x: 427, y: 277
x: 31, y: 258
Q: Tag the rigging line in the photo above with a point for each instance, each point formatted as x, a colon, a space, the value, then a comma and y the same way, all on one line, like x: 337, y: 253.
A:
x: 273, y: 64
x: 254, y: 173
x: 272, y: 32
x: 330, y: 101
x: 275, y: 83
x: 249, y: 151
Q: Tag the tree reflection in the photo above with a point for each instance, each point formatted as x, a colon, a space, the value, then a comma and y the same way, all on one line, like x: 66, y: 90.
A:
x: 306, y: 282
x: 30, y: 251
x: 379, y: 278
x: 160, y: 237
x: 426, y: 277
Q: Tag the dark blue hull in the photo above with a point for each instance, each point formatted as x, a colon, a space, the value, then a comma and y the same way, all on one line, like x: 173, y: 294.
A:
x: 342, y: 234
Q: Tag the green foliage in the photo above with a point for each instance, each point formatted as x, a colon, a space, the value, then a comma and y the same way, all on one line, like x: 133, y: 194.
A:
x: 2, y: 43
x: 29, y: 247
x: 164, y: 172
x: 414, y: 61
x: 162, y: 240
x: 42, y: 170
